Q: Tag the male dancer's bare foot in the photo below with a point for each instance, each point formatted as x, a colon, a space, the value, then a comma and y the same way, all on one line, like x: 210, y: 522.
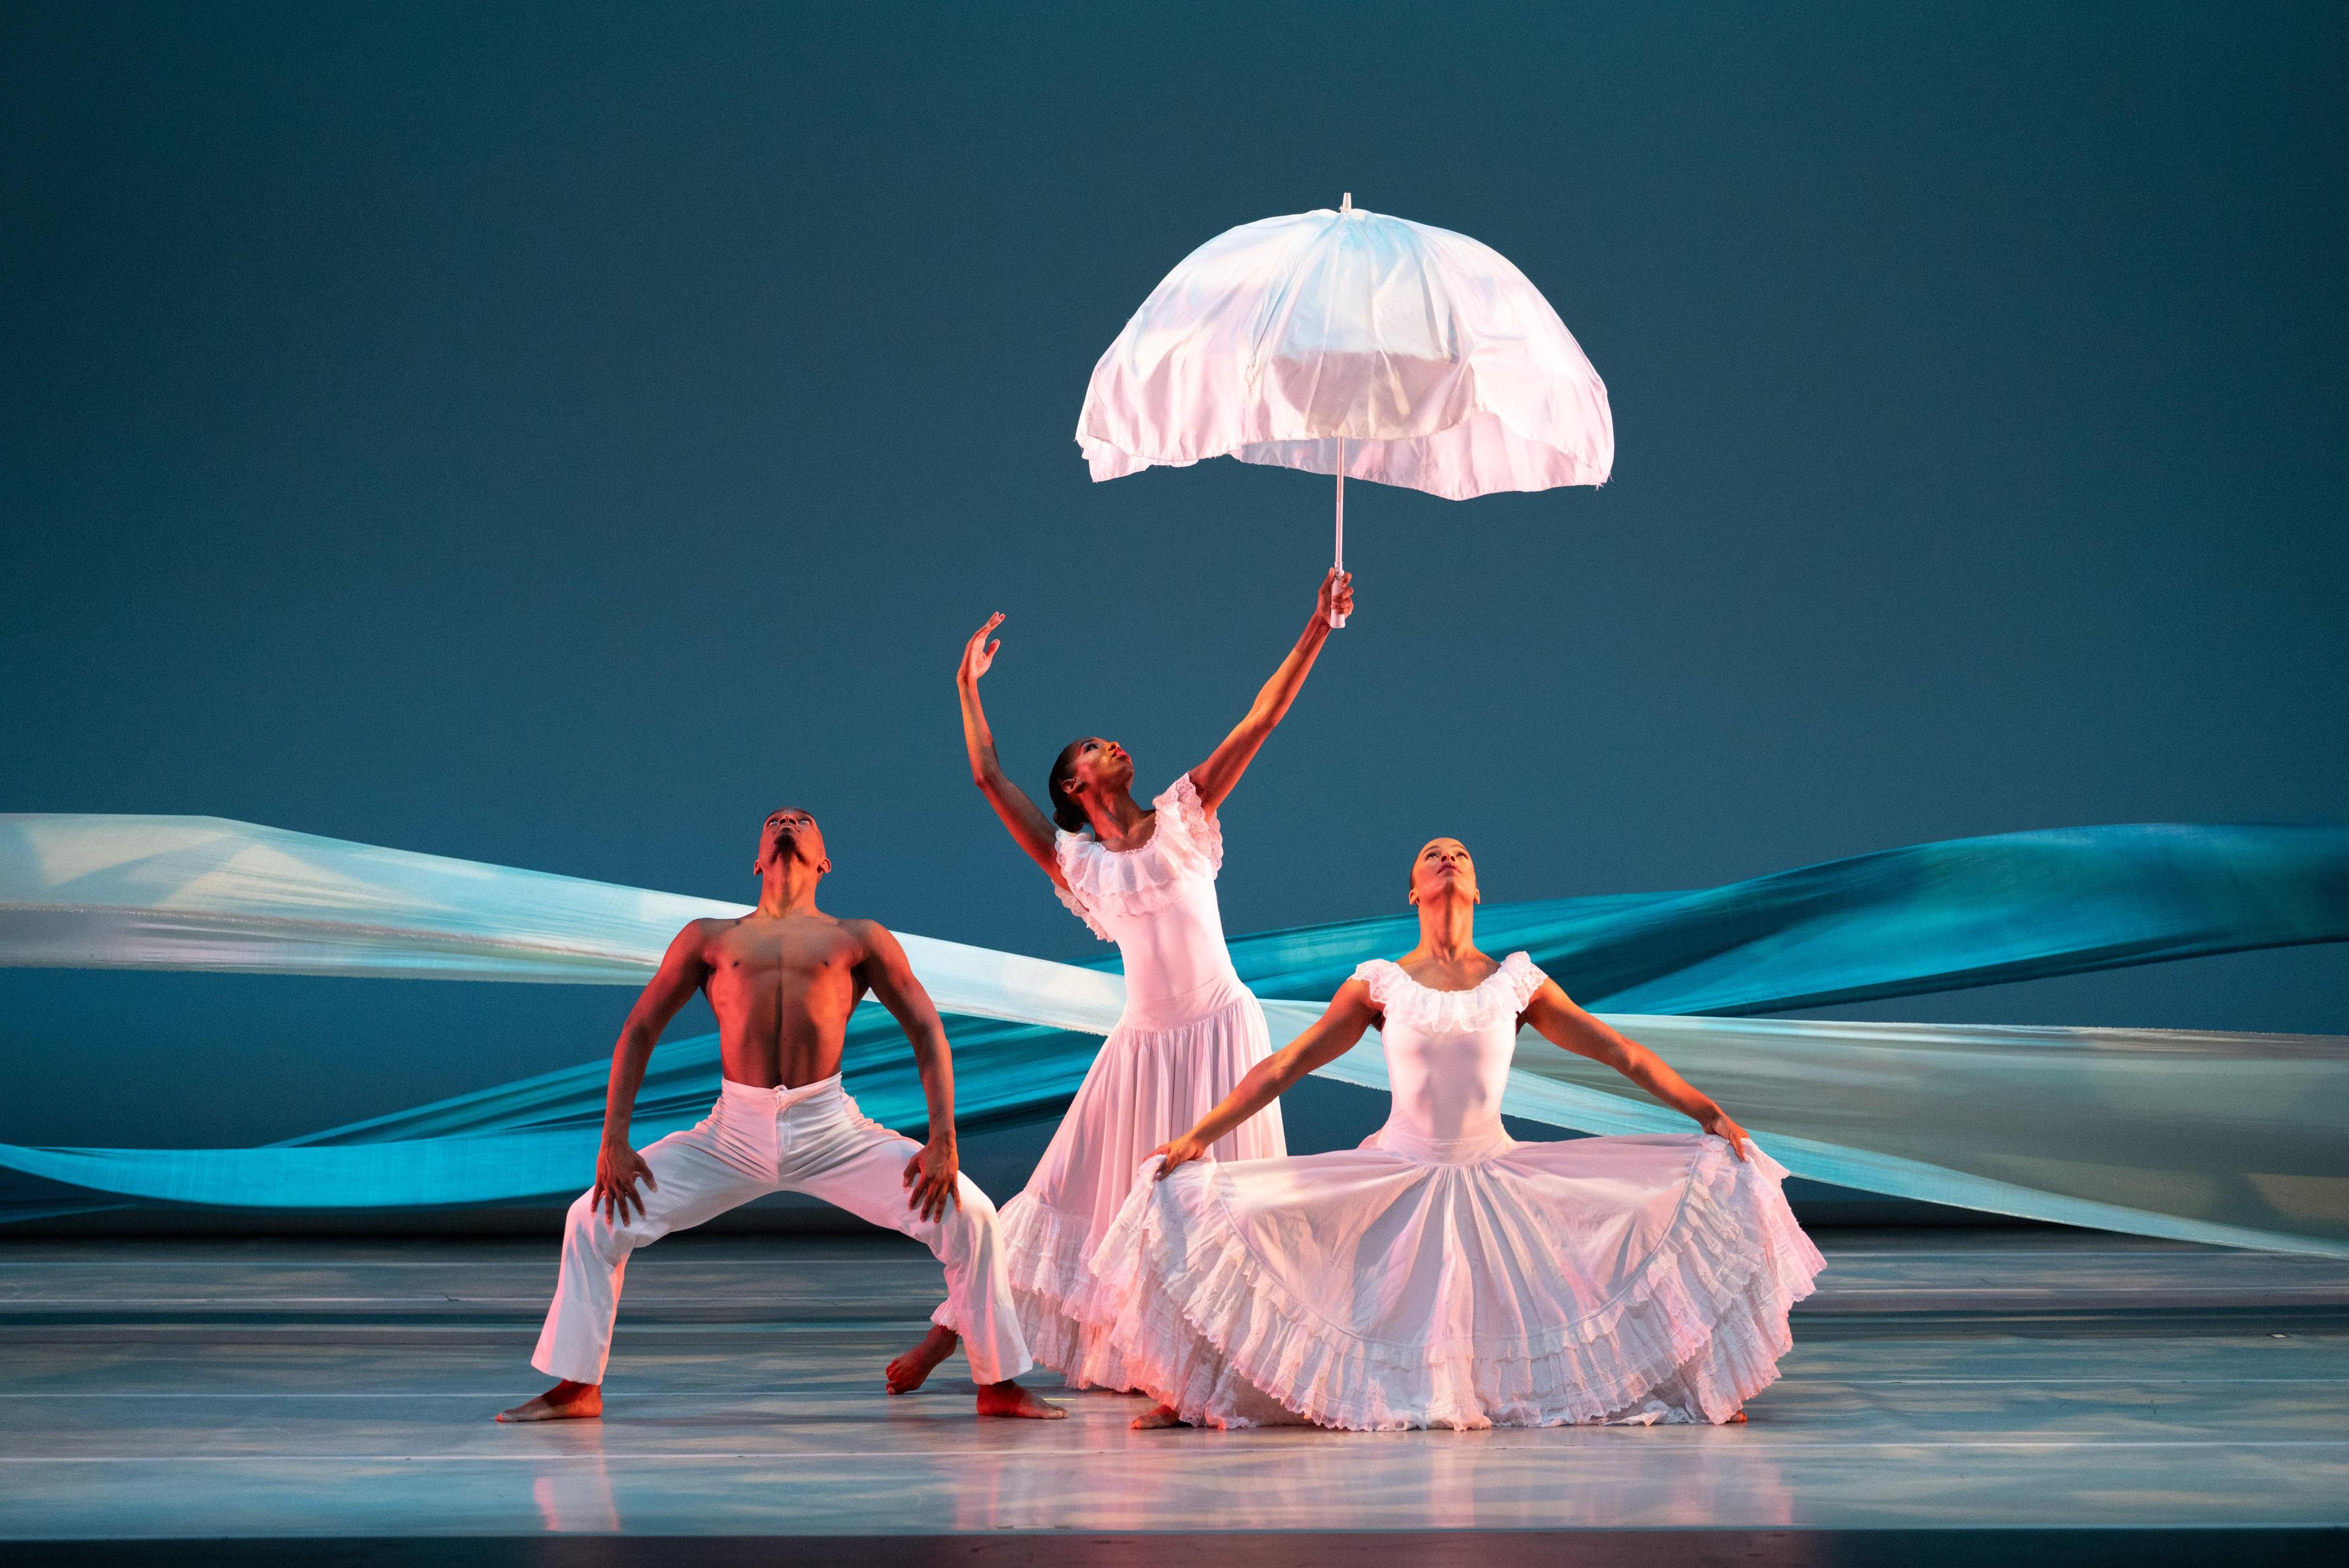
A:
x: 567, y: 1401
x: 911, y: 1370
x: 1007, y: 1399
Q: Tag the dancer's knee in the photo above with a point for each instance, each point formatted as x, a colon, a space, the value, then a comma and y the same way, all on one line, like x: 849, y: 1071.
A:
x: 961, y: 1230
x: 586, y: 1228
x: 976, y: 1204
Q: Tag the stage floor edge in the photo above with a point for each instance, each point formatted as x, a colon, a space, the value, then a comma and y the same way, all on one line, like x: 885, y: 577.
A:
x: 2151, y: 1547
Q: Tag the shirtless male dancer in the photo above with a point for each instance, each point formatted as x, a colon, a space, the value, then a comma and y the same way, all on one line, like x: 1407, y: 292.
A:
x: 782, y: 980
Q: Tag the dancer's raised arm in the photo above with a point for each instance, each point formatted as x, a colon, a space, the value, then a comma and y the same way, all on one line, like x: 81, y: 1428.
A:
x: 1030, y: 828
x: 1555, y: 1017
x: 1333, y: 1034
x: 1215, y: 777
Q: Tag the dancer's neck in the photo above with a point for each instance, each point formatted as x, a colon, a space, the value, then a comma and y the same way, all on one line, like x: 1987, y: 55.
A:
x: 1117, y: 820
x: 1447, y: 928
x: 788, y: 890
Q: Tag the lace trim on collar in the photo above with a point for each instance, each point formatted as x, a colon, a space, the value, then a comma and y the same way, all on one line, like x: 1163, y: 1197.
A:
x: 1405, y: 1001
x: 1187, y: 845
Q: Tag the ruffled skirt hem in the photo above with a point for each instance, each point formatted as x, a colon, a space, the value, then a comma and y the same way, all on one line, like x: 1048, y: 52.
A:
x: 1047, y: 1251
x: 1147, y: 1085
x: 1183, y: 1306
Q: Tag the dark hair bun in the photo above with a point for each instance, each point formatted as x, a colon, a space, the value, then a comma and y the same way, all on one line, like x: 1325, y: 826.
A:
x: 1066, y: 813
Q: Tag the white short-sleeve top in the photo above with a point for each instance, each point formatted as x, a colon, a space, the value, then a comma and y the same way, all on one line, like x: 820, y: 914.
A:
x: 1156, y: 901
x: 1448, y: 1051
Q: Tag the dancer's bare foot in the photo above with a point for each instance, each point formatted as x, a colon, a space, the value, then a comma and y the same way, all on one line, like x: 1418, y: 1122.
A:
x: 567, y: 1401
x: 911, y: 1370
x: 1737, y: 1419
x: 1007, y: 1399
x: 1156, y: 1419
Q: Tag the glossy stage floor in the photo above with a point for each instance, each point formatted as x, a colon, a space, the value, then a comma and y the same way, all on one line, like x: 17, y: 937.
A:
x: 2105, y: 1398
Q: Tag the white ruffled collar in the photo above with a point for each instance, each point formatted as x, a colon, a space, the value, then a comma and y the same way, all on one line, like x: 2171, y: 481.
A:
x: 1187, y: 845
x: 1431, y: 1011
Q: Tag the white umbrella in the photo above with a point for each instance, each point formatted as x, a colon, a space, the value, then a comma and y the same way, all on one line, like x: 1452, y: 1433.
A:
x: 1349, y: 342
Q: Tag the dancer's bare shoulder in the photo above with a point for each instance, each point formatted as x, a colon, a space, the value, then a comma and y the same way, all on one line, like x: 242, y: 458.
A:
x: 883, y: 968
x: 684, y: 967
x: 696, y: 935
x: 698, y: 942
x: 880, y: 958
x: 873, y: 938
x: 707, y: 948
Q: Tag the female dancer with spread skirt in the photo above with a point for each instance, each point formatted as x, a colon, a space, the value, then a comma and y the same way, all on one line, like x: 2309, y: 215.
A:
x: 1145, y: 879
x: 1443, y: 1274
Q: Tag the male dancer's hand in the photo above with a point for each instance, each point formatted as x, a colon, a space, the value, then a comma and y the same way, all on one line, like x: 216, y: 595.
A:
x: 617, y: 1169
x: 932, y: 1179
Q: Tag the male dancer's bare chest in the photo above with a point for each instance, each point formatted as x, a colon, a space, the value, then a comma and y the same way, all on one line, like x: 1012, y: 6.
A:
x: 782, y: 1000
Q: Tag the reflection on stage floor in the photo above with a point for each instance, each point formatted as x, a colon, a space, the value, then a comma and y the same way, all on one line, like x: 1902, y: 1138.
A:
x: 305, y: 1388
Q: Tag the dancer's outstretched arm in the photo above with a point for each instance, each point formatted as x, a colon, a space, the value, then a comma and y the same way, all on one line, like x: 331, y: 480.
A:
x: 618, y: 1167
x: 929, y: 1182
x: 1349, y: 1013
x: 1030, y: 828
x: 1556, y: 1018
x: 1215, y: 777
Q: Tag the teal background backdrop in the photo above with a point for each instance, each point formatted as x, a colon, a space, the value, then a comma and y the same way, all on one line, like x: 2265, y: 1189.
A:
x: 556, y: 435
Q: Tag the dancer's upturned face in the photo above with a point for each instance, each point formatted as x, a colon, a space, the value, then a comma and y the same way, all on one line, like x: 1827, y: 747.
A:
x: 790, y: 834
x: 1101, y: 767
x: 1443, y: 868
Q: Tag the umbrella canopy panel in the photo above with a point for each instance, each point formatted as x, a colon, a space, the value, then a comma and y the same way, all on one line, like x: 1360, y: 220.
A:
x: 1434, y: 360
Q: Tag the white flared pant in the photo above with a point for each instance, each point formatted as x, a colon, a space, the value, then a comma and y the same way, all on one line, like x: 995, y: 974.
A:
x: 811, y: 1139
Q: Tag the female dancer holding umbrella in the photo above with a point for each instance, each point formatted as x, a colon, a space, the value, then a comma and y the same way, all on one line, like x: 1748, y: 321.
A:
x: 1145, y: 878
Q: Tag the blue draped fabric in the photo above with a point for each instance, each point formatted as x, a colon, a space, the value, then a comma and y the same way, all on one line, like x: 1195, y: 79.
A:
x: 2259, y: 1119
x: 1902, y: 923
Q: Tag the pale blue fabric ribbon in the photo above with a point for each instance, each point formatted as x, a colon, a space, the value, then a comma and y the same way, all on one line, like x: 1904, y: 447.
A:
x: 2223, y: 1137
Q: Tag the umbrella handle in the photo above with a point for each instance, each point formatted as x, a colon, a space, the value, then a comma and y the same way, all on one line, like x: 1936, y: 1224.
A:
x: 1335, y: 619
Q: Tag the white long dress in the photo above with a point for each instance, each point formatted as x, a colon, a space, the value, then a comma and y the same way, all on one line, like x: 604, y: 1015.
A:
x: 1445, y: 1275
x: 1189, y: 1033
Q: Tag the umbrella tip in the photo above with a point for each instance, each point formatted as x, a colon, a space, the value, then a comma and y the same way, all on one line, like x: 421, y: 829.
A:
x: 1346, y: 202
